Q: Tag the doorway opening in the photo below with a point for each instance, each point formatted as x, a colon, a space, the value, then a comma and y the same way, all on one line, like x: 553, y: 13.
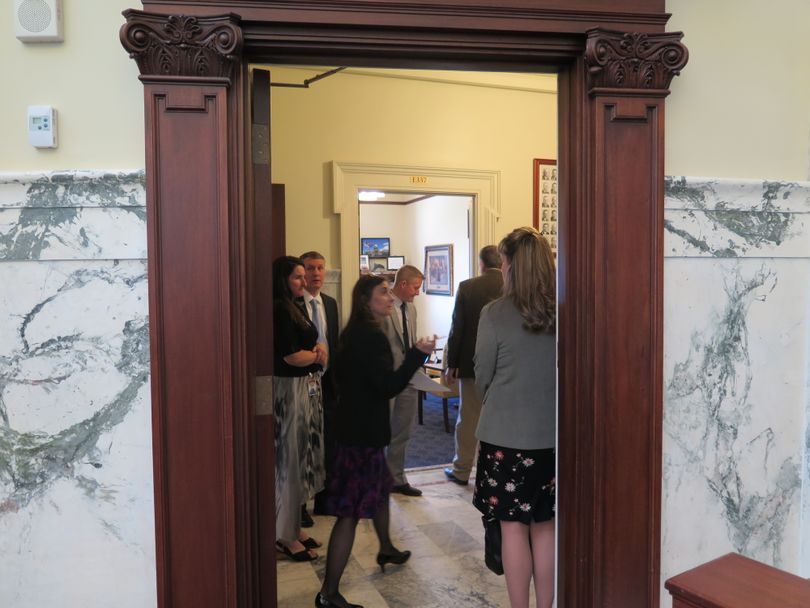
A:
x: 422, y: 224
x: 615, y: 66
x: 409, y: 133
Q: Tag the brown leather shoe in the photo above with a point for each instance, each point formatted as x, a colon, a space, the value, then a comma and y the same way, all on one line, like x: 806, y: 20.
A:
x: 448, y: 472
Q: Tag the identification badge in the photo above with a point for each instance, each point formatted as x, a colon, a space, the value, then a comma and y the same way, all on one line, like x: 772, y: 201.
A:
x: 313, y: 386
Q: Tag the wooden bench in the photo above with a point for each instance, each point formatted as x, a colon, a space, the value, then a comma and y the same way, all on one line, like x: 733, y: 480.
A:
x: 734, y: 581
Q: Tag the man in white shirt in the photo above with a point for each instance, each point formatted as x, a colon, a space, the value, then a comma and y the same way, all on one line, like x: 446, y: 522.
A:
x: 323, y: 312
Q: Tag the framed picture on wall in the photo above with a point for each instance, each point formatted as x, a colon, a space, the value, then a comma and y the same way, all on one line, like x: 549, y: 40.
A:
x: 375, y: 247
x: 364, y: 264
x: 544, y: 209
x: 378, y: 265
x: 439, y: 270
x: 395, y: 262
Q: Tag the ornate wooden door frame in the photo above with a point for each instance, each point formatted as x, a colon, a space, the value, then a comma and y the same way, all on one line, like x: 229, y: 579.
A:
x: 615, y: 67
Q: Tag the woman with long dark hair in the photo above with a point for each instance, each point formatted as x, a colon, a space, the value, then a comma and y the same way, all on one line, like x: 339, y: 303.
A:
x: 362, y: 481
x: 297, y: 362
x: 516, y: 372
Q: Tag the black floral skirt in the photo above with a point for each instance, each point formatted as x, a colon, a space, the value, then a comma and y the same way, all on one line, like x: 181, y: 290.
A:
x: 515, y: 485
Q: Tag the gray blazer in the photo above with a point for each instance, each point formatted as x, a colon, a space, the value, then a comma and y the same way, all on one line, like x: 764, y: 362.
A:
x: 516, y: 372
x: 393, y: 331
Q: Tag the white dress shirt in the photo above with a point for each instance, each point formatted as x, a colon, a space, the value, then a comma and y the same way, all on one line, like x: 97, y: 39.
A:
x: 308, y: 298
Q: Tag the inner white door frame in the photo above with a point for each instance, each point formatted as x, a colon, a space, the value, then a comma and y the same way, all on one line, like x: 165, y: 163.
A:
x: 349, y: 178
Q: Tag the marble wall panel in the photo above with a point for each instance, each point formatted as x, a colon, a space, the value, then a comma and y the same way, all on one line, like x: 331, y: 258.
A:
x: 72, y: 189
x: 804, y: 537
x: 731, y: 234
x: 331, y: 287
x: 76, y: 506
x: 82, y: 215
x: 736, y: 369
x: 72, y: 233
x: 728, y: 218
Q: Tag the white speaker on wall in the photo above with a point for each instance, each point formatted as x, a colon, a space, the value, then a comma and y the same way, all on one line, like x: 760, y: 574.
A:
x: 38, y: 20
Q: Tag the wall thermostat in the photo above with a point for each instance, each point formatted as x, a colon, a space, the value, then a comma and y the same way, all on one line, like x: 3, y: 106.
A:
x: 38, y: 20
x: 42, y: 126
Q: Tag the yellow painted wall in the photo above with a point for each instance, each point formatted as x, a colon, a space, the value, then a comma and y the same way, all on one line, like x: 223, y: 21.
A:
x: 89, y: 79
x: 741, y: 108
x: 739, y: 49
x: 401, y: 121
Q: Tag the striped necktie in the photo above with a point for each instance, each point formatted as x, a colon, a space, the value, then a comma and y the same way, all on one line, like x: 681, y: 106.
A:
x: 316, y: 320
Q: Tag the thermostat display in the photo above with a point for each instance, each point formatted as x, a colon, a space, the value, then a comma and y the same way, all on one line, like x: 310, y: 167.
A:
x: 42, y: 126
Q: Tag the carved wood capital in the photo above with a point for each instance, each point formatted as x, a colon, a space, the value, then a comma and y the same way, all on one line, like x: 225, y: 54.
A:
x: 182, y: 45
x: 632, y: 60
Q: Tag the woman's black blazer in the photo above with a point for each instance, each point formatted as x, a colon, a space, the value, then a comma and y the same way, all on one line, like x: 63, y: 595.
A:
x: 366, y: 381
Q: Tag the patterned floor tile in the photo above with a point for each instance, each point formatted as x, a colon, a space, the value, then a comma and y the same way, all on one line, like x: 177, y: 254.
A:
x: 442, y: 530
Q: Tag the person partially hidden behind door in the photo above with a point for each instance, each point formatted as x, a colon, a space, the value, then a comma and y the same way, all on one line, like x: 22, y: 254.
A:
x: 516, y: 372
x: 322, y: 311
x: 473, y: 294
x: 298, y: 360
x: 400, y: 328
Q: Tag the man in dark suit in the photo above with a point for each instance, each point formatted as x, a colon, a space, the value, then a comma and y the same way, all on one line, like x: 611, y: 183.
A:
x: 472, y: 296
x: 323, y: 312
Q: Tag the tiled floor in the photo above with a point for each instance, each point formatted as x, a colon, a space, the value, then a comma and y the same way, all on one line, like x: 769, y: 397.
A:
x: 446, y: 570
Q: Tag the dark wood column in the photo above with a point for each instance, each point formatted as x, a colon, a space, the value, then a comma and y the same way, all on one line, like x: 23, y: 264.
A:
x: 610, y: 435
x: 194, y: 83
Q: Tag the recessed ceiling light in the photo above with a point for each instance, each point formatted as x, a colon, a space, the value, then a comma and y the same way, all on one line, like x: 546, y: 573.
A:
x: 371, y: 195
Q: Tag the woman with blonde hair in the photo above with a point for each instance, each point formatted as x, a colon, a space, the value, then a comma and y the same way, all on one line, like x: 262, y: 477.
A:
x: 516, y: 372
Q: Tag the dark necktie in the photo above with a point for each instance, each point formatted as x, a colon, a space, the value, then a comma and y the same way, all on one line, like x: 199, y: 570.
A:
x: 405, y: 339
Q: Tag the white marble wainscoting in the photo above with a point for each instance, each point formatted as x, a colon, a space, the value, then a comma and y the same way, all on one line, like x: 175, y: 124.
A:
x: 76, y: 507
x: 331, y: 287
x: 736, y: 370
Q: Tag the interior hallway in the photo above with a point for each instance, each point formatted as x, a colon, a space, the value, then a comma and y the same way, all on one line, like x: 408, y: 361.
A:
x: 445, y: 534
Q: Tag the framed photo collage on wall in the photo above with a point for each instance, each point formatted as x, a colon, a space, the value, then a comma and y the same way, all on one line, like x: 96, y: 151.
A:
x: 545, y: 200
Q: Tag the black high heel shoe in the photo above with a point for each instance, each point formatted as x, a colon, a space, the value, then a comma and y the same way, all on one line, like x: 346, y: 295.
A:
x: 302, y: 556
x: 398, y: 557
x: 322, y: 602
x: 311, y: 543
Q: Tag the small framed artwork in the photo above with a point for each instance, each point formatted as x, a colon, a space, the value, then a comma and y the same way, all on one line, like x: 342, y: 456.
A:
x: 544, y: 210
x: 395, y: 262
x: 364, y: 267
x: 439, y: 270
x: 378, y: 265
x: 375, y: 247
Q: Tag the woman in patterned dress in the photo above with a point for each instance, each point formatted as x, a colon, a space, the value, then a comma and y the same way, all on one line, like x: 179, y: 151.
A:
x: 515, y: 372
x: 297, y: 362
x: 361, y: 482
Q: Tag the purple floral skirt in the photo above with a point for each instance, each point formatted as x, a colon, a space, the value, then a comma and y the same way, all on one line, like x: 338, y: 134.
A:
x: 515, y: 485
x: 360, y: 484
